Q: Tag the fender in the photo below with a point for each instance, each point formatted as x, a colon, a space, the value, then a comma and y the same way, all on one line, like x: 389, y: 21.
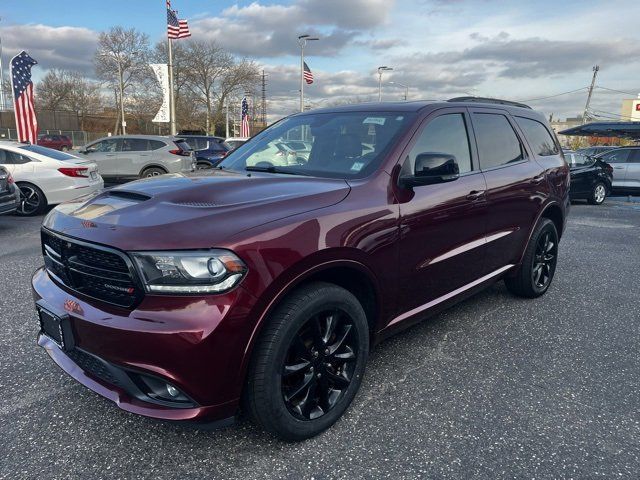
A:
x: 268, y: 301
x: 534, y: 224
x: 152, y: 165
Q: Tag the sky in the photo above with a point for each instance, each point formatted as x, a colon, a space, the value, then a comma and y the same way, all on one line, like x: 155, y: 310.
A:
x: 518, y: 50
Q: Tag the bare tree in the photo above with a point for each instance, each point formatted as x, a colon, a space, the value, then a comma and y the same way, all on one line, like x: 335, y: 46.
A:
x: 84, y: 98
x: 122, y: 61
x: 53, y: 91
x: 241, y: 77
x: 205, y: 64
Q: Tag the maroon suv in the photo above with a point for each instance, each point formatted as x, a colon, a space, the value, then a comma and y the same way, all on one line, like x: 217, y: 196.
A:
x: 263, y: 284
x: 57, y: 142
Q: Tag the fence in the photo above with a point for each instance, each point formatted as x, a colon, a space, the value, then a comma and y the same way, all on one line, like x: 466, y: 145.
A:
x: 79, y: 138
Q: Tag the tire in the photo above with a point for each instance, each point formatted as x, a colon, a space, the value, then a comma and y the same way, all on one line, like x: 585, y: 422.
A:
x: 538, y: 267
x: 598, y: 194
x: 203, y: 166
x: 32, y: 200
x: 152, y: 172
x: 65, y: 148
x: 295, y: 389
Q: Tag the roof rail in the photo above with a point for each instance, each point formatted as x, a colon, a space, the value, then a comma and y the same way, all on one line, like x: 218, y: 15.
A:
x: 489, y: 100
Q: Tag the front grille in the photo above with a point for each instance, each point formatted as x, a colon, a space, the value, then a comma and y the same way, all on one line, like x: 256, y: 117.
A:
x: 93, y: 366
x: 93, y: 271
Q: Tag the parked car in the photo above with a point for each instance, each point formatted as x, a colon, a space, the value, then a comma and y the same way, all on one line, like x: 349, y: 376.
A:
x: 591, y: 178
x: 129, y: 157
x: 9, y: 193
x: 209, y: 151
x: 46, y: 176
x: 276, y: 152
x: 626, y: 168
x: 56, y: 142
x: 302, y: 148
x: 235, y: 142
x: 595, y: 150
x: 265, y: 285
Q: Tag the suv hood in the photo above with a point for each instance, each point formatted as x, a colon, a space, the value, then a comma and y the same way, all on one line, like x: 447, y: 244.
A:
x: 199, y: 210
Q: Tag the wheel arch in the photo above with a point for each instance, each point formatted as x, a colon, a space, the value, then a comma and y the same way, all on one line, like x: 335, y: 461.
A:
x: 152, y: 165
x: 35, y: 184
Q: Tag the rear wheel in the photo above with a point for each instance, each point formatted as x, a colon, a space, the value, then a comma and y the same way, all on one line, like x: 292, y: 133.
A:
x: 203, y: 166
x: 535, y: 274
x: 308, y: 363
x: 598, y: 194
x: 32, y: 200
x: 152, y: 172
x: 65, y: 148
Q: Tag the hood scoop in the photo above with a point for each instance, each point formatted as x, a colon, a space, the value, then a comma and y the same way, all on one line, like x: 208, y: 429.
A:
x: 127, y: 195
x: 195, y: 204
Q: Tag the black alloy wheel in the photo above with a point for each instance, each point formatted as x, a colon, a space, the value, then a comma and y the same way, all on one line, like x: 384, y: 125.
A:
x: 319, y: 365
x: 32, y: 200
x: 544, y: 264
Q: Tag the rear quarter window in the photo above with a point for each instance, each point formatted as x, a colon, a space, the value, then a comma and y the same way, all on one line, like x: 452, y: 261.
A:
x: 540, y: 140
x: 497, y: 142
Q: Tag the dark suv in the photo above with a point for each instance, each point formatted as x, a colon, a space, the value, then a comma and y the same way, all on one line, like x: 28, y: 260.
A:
x: 264, y: 285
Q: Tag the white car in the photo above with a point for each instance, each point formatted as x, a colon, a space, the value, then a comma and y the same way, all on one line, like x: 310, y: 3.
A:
x: 235, y: 142
x: 46, y: 176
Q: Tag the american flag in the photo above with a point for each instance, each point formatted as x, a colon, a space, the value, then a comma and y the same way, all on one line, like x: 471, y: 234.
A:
x: 26, y: 121
x: 308, y: 74
x: 176, y: 28
x: 244, y: 130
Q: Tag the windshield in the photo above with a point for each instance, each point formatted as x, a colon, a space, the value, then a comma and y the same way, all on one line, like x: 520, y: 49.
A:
x: 49, y: 152
x: 334, y: 145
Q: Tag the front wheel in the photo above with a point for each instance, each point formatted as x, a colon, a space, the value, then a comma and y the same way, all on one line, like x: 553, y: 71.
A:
x: 308, y: 363
x: 152, y: 172
x: 598, y: 194
x: 535, y: 274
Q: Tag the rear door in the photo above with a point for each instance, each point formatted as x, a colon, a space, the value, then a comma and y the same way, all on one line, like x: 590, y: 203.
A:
x: 515, y: 185
x: 632, y: 178
x: 618, y: 160
x: 134, y: 156
x: 105, y: 154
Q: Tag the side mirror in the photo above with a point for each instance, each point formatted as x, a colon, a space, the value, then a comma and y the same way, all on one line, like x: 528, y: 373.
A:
x: 431, y: 168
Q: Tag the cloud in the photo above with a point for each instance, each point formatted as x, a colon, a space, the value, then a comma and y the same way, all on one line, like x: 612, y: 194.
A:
x: 52, y: 47
x: 271, y: 30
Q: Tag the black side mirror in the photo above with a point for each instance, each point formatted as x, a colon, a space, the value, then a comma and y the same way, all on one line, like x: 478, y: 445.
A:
x: 432, y: 168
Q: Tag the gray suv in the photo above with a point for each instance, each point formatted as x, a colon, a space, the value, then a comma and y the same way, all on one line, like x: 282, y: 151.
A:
x: 128, y: 157
x: 626, y: 168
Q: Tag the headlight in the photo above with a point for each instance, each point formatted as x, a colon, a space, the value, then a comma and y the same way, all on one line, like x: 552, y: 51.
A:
x: 209, y: 271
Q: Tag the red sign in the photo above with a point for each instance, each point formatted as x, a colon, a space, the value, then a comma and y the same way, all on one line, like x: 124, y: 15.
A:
x: 637, y: 107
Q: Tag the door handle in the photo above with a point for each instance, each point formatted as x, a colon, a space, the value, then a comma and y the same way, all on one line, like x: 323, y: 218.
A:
x: 619, y: 168
x: 536, y: 180
x: 110, y: 155
x: 475, y: 194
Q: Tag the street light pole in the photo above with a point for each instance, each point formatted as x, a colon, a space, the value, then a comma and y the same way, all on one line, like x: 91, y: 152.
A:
x: 121, y: 81
x: 3, y: 104
x: 406, y: 89
x: 384, y: 68
x: 302, y: 41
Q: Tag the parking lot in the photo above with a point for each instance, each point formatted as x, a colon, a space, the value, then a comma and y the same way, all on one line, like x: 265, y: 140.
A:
x: 497, y: 387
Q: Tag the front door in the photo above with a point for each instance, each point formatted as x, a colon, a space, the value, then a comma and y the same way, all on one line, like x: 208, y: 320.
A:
x: 105, y: 154
x: 516, y: 186
x: 443, y: 226
x: 617, y: 158
x: 632, y: 178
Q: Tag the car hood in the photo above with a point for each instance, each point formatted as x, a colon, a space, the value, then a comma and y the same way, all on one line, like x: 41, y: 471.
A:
x: 199, y: 210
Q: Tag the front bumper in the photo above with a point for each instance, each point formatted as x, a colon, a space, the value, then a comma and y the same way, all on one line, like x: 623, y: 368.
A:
x: 195, y: 343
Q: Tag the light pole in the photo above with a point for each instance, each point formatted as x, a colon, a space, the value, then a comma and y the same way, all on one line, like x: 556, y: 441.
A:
x: 406, y: 89
x: 3, y: 104
x: 384, y: 68
x: 302, y: 41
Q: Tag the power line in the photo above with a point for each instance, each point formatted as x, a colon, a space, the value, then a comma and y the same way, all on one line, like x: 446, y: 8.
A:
x: 602, y: 113
x: 617, y: 91
x: 556, y: 95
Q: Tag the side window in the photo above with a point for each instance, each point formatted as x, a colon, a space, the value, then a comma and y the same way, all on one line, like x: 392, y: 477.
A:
x: 108, y: 146
x: 498, y: 144
x: 444, y: 134
x: 616, y: 156
x: 155, y: 144
x: 5, y: 158
x: 634, y: 157
x: 56, y: 138
x: 19, y: 159
x: 134, y: 145
x: 539, y: 137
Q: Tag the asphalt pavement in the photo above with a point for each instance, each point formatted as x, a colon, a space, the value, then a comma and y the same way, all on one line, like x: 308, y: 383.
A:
x: 496, y: 387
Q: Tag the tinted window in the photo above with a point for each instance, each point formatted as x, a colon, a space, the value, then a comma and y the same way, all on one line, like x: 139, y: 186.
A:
x: 497, y: 142
x: 539, y: 137
x: 48, y: 152
x: 615, y: 156
x: 156, y: 144
x: 11, y: 158
x: 634, y: 157
x: 578, y: 159
x: 444, y: 134
x: 135, y: 145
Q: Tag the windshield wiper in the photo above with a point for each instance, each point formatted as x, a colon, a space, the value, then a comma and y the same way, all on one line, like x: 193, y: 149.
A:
x: 273, y: 169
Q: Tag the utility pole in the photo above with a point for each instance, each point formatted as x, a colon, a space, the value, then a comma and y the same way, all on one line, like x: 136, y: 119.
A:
x: 172, y: 98
x: 263, y: 113
x: 121, y: 83
x: 593, y: 83
x: 3, y: 104
x: 384, y: 68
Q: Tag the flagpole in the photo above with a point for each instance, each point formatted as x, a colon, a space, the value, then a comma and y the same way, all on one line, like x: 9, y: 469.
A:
x: 172, y: 100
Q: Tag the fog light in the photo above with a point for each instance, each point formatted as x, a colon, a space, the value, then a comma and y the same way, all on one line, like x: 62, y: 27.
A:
x: 172, y: 391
